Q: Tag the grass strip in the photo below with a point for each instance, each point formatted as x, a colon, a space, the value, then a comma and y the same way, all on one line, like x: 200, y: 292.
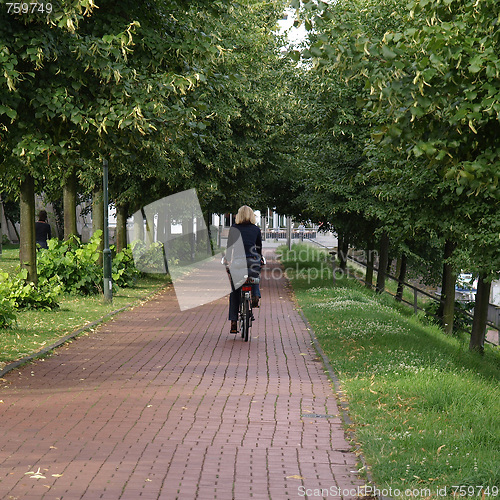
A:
x: 425, y: 410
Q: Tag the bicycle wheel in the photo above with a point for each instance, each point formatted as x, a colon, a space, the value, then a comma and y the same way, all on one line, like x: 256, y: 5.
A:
x: 242, y: 325
x: 242, y: 316
x: 246, y: 321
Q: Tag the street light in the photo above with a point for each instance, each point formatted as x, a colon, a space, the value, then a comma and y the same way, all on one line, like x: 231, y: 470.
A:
x: 1, y: 219
x: 106, y: 253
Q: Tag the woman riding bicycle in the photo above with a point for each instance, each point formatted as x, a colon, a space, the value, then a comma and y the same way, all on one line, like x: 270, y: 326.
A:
x: 250, y: 234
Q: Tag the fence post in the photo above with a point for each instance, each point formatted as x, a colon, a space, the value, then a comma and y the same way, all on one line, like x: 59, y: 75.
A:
x: 415, y: 306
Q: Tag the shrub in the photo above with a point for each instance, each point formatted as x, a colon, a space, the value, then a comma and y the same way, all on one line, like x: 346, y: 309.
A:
x: 149, y: 259
x: 461, y: 317
x: 75, y: 264
x: 21, y: 294
x: 124, y: 272
x: 77, y: 267
x: 7, y: 308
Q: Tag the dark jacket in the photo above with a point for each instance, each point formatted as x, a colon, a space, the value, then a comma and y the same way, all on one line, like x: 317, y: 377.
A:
x: 252, y: 243
x: 42, y: 233
x: 251, y: 236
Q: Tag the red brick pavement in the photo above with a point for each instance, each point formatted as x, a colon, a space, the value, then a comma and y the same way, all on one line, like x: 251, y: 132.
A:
x: 163, y: 404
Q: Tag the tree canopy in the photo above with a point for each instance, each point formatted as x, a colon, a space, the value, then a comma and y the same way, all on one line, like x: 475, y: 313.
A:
x: 424, y: 81
x: 385, y: 130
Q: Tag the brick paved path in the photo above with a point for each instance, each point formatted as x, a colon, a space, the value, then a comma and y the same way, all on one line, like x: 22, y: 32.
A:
x: 159, y: 404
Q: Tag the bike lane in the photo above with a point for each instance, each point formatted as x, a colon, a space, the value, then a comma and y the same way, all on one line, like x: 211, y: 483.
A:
x: 163, y: 404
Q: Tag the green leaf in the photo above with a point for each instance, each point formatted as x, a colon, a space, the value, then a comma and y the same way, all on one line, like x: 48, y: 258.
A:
x: 388, y: 53
x: 11, y: 113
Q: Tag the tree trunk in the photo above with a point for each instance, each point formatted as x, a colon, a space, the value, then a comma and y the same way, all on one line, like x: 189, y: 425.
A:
x: 383, y: 260
x: 98, y: 216
x: 121, y: 227
x: 345, y: 251
x: 27, y: 247
x: 480, y: 315
x: 210, y: 249
x: 401, y: 277
x: 446, y: 310
x: 370, y: 258
x: 340, y: 240
x: 343, y: 248
x: 161, y: 226
x: 69, y: 202
x: 201, y: 235
x: 189, y: 237
x: 57, y: 206
x: 1, y: 222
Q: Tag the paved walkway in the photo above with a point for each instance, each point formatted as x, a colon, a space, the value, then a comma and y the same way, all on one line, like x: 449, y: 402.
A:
x: 163, y: 404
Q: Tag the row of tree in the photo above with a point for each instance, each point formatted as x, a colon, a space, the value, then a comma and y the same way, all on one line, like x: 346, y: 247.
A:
x: 401, y: 138
x: 385, y: 129
x: 174, y: 94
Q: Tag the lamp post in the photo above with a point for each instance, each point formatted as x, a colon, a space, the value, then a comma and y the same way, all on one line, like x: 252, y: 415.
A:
x: 106, y: 253
x: 1, y: 219
x: 289, y: 232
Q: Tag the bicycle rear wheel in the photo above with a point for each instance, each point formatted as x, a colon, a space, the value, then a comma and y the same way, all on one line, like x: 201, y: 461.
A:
x: 242, y: 318
x: 242, y: 325
x: 245, y: 320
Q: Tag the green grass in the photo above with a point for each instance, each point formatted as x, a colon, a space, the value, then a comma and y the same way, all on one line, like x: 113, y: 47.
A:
x: 9, y: 260
x: 37, y: 329
x: 426, y: 411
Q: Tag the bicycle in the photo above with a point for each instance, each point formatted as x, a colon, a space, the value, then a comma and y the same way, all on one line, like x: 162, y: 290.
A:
x: 245, y: 313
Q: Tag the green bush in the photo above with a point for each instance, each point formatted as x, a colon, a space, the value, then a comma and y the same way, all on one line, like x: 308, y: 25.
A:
x: 149, y: 259
x: 461, y: 317
x: 7, y: 310
x: 124, y: 272
x: 65, y: 266
x: 20, y: 294
x: 75, y: 264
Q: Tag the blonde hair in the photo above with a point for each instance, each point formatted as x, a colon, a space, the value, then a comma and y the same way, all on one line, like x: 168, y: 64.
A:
x: 245, y: 214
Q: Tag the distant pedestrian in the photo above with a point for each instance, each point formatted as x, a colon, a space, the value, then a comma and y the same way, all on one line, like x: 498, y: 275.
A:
x: 302, y: 230
x: 42, y: 229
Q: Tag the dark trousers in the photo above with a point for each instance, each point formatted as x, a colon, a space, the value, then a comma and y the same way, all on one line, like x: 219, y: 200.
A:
x: 234, y: 301
x: 235, y: 295
x: 234, y: 304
